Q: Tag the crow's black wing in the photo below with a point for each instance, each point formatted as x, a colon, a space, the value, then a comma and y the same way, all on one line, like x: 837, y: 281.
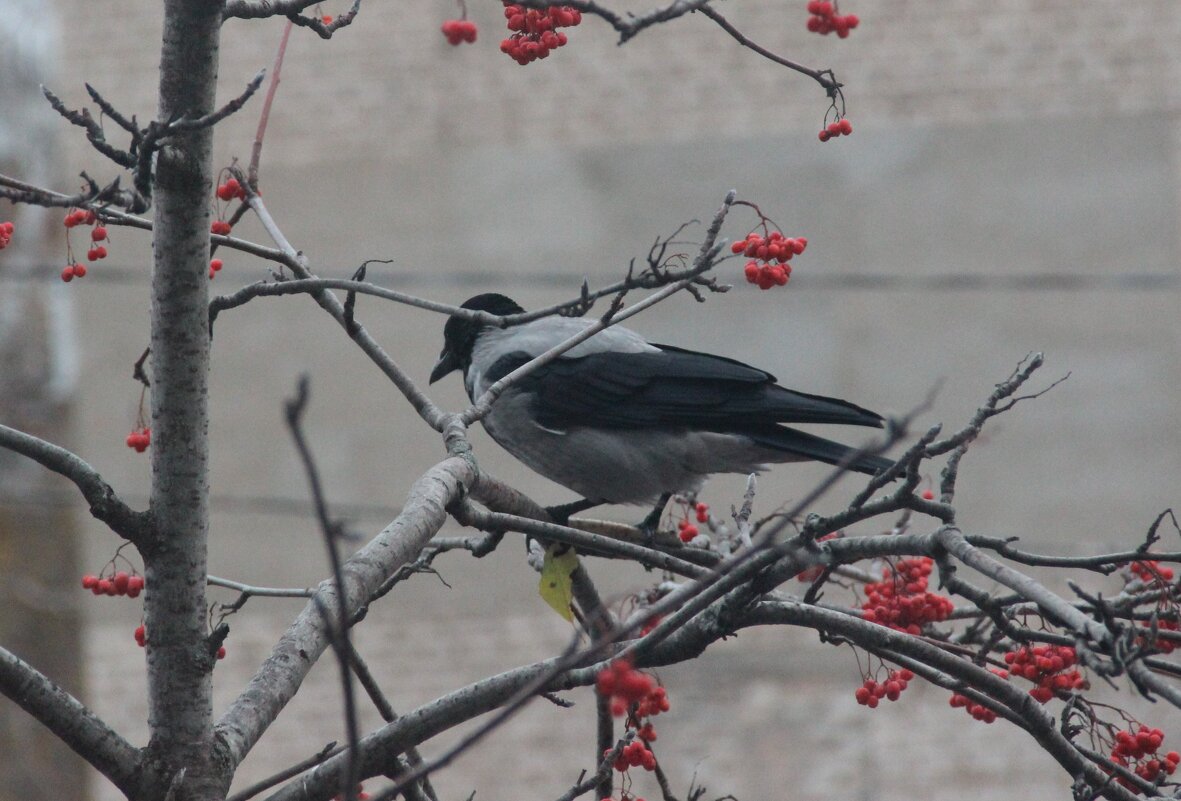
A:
x: 671, y: 387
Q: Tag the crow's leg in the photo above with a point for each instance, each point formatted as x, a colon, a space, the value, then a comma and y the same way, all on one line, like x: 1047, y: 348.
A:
x: 561, y: 513
x: 651, y: 523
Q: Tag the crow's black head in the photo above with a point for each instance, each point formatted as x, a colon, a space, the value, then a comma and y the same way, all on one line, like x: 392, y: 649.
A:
x: 459, y: 334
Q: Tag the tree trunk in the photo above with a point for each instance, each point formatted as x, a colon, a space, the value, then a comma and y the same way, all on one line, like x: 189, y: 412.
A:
x: 179, y: 659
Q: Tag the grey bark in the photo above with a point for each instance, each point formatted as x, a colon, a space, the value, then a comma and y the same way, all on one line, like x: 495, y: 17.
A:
x: 178, y: 654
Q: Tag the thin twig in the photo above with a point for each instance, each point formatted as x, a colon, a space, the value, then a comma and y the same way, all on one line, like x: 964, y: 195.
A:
x: 331, y: 530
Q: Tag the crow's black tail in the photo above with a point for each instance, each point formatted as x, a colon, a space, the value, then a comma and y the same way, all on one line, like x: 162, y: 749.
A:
x: 809, y: 446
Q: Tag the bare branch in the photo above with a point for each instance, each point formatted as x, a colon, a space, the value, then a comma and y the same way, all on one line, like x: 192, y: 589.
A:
x: 105, y: 504
x: 586, y: 543
x: 338, y: 630
x: 279, y: 678
x: 326, y: 29
x: 265, y: 114
x: 293, y: 259
x: 79, y: 728
x: 285, y: 774
x: 823, y: 77
x: 94, y: 131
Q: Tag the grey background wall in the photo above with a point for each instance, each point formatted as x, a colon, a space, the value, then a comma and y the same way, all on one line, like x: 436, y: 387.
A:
x: 1011, y: 186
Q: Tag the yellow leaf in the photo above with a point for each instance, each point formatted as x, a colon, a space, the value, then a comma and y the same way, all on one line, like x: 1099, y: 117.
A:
x: 557, y: 589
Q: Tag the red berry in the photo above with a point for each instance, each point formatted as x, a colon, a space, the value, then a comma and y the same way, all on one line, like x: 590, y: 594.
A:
x: 220, y: 227
x: 845, y: 126
x: 121, y: 581
x: 98, y: 233
x: 221, y: 652
x: 88, y: 581
x: 140, y: 635
x: 824, y: 136
x: 215, y: 264
x: 68, y: 273
x: 928, y: 495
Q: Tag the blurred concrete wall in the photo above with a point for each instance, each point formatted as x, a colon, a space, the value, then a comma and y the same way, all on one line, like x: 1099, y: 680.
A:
x: 40, y: 610
x: 1011, y: 186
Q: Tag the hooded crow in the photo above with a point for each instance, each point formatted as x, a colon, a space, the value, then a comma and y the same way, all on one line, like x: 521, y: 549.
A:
x: 620, y: 420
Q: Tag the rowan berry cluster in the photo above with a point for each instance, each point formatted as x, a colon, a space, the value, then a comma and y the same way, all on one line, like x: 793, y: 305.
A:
x: 635, y: 755
x: 220, y: 227
x: 72, y: 271
x: 98, y: 235
x: 97, y: 251
x: 231, y: 188
x: 631, y: 690
x: 701, y: 511
x: 873, y: 691
x: 6, y: 229
x: 1150, y: 570
x: 139, y: 439
x: 535, y: 33
x: 1160, y: 644
x: 459, y: 31
x: 75, y: 217
x: 978, y: 711
x: 119, y: 583
x: 769, y: 256
x: 901, y: 601
x: 810, y: 574
x: 686, y: 530
x: 841, y: 127
x: 826, y: 19
x: 1138, y: 752
x: 1050, y: 667
x: 638, y: 696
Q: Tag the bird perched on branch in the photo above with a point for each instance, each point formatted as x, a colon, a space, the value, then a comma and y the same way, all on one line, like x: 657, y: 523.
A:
x: 620, y: 420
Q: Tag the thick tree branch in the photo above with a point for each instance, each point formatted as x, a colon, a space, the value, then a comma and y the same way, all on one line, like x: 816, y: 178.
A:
x: 70, y: 720
x: 105, y: 504
x: 280, y: 676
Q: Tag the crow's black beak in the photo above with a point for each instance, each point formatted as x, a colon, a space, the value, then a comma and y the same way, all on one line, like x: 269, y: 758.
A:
x: 447, y: 363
